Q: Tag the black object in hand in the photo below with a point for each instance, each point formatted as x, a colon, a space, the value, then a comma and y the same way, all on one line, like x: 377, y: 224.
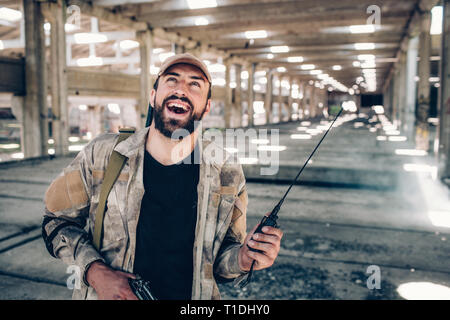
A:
x: 141, y: 289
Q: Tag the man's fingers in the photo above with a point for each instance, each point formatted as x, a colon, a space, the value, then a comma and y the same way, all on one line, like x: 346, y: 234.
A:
x: 267, y: 248
x: 262, y: 261
x: 274, y: 231
x: 269, y: 238
x: 126, y: 274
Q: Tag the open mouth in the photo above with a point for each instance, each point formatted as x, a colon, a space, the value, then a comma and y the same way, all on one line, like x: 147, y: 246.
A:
x: 178, y: 108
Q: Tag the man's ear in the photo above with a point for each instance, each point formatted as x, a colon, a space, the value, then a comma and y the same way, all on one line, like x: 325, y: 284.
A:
x: 152, y: 97
x: 207, y: 108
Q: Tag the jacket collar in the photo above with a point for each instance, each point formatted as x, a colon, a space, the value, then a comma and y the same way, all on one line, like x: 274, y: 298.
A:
x: 137, y: 141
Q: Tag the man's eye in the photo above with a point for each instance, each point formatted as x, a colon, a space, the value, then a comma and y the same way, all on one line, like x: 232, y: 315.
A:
x: 171, y: 79
x: 195, y: 83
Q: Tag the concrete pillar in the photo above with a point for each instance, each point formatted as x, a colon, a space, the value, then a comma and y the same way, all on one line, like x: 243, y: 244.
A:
x: 410, y: 100
x: 269, y: 96
x: 280, y: 99
x: 145, y: 39
x: 238, y: 96
x: 313, y: 102
x: 395, y: 94
x: 290, y: 99
x: 95, y: 120
x: 250, y: 93
x: 177, y: 49
x: 58, y: 76
x: 228, y: 103
x: 303, y: 104
x: 444, y: 121
x: 297, y: 99
x: 35, y: 113
x: 422, y: 130
x: 17, y: 108
x: 402, y: 89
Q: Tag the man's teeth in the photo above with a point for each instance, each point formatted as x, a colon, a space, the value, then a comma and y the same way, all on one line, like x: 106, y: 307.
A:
x: 176, y: 105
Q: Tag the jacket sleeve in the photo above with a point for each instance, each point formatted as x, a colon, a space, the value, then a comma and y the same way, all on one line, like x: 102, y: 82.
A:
x: 66, y: 214
x: 226, y: 266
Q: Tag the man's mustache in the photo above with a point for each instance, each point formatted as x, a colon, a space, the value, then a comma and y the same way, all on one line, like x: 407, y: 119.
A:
x: 174, y: 97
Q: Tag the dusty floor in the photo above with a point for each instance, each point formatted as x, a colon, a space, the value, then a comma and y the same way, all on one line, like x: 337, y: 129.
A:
x: 333, y: 233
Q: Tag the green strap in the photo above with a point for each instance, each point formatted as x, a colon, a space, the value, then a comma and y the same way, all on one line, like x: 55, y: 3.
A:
x: 115, y: 165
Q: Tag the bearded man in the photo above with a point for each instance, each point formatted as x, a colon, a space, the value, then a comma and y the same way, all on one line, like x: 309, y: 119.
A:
x: 176, y: 215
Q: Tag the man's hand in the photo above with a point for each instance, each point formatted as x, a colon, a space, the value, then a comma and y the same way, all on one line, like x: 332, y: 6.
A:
x: 268, y: 243
x: 108, y: 283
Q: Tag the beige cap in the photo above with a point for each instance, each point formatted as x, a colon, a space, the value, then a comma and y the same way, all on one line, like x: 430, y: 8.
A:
x: 184, y: 58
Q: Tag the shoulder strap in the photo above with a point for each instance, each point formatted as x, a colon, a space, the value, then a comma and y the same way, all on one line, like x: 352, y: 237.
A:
x: 115, y: 165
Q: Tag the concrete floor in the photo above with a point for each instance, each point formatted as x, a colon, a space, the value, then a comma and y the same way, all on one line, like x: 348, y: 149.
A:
x: 357, y: 207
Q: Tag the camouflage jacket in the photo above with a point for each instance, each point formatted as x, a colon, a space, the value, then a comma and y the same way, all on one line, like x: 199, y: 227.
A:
x: 72, y: 199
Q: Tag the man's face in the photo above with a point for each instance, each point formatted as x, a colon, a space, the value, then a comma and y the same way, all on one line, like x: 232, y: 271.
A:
x: 180, y: 99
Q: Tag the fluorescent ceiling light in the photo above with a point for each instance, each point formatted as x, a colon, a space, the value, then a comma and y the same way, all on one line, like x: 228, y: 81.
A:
x: 76, y: 147
x: 9, y: 146
x: 364, y: 46
x: 315, y: 72
x: 157, y: 50
x: 436, y: 20
x: 295, y: 59
x: 199, y: 4
x: 86, y: 38
x: 10, y: 14
x: 270, y: 56
x: 356, y: 63
x: 364, y: 28
x: 114, y: 108
x: 397, y: 138
x: 363, y: 57
x: 281, y: 69
x: 128, y: 44
x: 307, y: 66
x: 279, y: 49
x: 257, y: 34
x: 337, y: 67
x: 90, y: 62
x: 202, y: 21
x: 2, y: 46
x: 69, y: 27
x: 368, y: 64
x: 218, y: 82
x: 244, y: 75
x: 216, y: 67
x: 165, y: 55
x: 154, y: 70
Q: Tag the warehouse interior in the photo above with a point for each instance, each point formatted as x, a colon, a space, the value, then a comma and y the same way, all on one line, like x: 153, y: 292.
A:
x: 376, y: 194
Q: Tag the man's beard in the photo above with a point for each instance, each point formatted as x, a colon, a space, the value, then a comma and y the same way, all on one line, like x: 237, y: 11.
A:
x: 168, y: 127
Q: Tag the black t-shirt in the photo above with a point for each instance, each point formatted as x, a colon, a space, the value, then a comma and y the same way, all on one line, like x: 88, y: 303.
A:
x: 166, y: 228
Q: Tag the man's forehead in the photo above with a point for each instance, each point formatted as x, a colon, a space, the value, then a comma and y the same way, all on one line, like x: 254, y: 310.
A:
x: 182, y: 68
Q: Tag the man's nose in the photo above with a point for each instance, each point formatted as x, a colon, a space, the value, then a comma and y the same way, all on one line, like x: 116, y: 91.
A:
x: 181, y: 88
